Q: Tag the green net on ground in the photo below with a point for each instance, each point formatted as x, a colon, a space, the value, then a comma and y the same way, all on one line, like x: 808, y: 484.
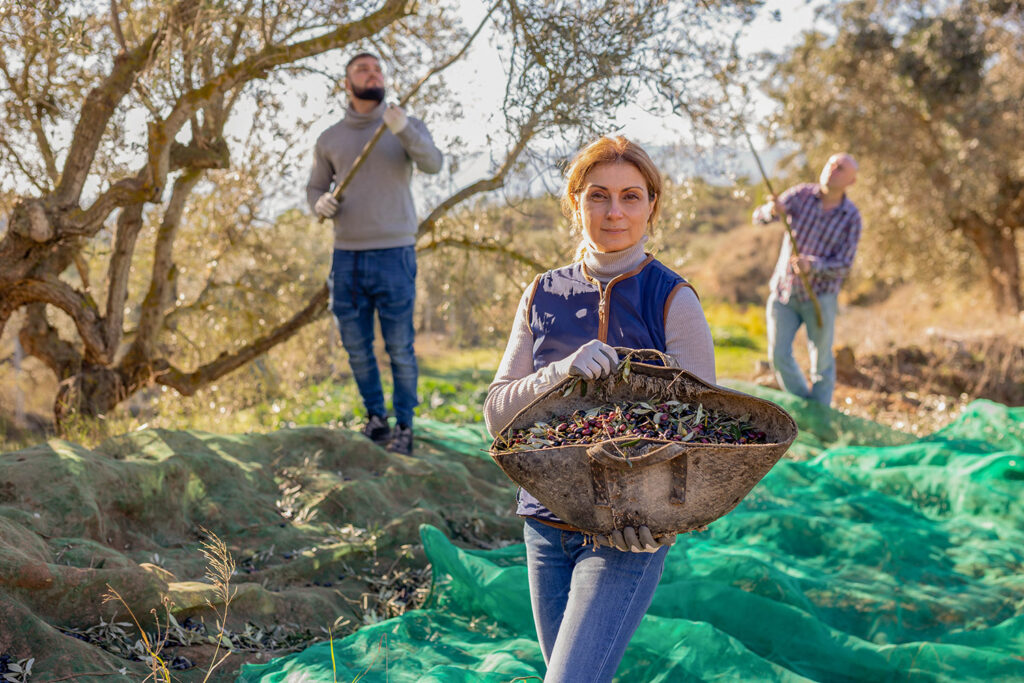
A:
x: 869, y: 556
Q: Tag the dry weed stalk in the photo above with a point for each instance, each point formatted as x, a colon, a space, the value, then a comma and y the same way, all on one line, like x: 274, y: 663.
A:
x: 384, y: 645
x: 157, y: 667
x: 220, y: 567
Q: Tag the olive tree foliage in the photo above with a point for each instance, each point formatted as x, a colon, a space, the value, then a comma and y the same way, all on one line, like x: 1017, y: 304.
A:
x: 75, y: 77
x: 928, y: 96
x: 134, y: 134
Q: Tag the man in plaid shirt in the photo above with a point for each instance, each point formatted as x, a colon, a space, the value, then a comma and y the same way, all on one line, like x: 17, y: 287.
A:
x: 826, y: 226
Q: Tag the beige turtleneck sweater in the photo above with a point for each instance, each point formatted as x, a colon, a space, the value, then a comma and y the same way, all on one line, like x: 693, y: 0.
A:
x: 687, y: 339
x: 377, y: 211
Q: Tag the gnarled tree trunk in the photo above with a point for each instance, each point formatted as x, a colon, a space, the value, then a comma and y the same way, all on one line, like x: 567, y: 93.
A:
x: 997, y: 247
x: 90, y: 392
x: 995, y: 240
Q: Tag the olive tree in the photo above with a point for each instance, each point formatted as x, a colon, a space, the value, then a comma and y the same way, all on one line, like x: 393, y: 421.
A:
x: 132, y: 132
x: 927, y: 96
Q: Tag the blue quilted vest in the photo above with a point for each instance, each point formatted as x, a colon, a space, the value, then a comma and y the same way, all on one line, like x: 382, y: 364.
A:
x: 568, y: 310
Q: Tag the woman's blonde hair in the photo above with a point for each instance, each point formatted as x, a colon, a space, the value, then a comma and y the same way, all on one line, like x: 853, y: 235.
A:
x: 609, y: 150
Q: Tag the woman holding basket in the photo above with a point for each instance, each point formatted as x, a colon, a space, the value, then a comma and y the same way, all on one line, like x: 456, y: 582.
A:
x: 588, y: 601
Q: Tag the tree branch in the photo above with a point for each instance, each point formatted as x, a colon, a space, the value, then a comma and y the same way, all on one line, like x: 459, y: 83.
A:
x: 129, y: 223
x: 491, y: 246
x: 187, y: 383
x: 160, y: 135
x: 136, y: 190
x: 212, y: 154
x: 236, y: 37
x: 115, y: 23
x: 35, y: 123
x: 97, y: 109
x: 485, y: 184
x: 31, y: 177
x: 154, y: 306
x: 45, y: 150
x: 81, y: 308
x: 42, y: 340
x: 102, y: 101
x: 124, y: 192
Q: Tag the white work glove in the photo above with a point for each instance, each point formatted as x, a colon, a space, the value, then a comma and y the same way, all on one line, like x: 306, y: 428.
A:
x: 395, y: 119
x: 635, y: 540
x: 326, y: 206
x: 592, y: 360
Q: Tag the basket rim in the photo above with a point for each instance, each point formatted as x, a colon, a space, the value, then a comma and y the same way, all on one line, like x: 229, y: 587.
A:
x: 654, y: 370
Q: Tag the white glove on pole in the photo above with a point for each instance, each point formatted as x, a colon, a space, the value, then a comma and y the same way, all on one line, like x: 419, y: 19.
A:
x: 326, y: 206
x: 395, y: 119
x: 592, y: 360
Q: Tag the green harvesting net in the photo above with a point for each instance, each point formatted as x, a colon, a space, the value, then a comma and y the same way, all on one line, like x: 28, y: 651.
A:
x: 868, y: 556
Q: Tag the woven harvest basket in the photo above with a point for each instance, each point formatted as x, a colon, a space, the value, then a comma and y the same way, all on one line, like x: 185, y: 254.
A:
x: 669, y: 486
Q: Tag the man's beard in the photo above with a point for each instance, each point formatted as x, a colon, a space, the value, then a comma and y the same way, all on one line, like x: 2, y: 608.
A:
x: 375, y: 93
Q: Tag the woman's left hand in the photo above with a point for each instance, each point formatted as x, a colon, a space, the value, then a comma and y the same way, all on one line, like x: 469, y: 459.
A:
x: 636, y: 540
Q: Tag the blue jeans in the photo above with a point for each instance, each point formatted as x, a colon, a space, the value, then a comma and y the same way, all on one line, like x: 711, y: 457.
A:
x: 783, y: 322
x: 586, y: 603
x: 381, y: 281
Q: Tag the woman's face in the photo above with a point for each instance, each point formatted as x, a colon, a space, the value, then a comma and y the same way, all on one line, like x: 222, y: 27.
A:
x: 614, y: 206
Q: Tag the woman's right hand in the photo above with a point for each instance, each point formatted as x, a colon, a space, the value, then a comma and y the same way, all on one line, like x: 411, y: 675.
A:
x: 592, y: 360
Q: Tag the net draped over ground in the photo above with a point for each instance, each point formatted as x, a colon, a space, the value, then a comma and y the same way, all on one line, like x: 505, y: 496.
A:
x: 867, y: 554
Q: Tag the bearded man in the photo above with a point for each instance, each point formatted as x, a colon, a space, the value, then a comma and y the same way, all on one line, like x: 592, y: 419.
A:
x: 373, y: 270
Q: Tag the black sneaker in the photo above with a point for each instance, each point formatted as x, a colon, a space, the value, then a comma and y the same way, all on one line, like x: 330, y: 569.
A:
x: 401, y: 440
x: 377, y: 430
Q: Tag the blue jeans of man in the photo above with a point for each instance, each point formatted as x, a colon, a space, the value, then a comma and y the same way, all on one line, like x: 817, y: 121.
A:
x: 784, y: 319
x: 586, y: 603
x: 381, y: 281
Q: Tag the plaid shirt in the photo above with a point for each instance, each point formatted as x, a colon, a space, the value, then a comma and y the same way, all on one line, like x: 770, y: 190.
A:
x: 827, y: 241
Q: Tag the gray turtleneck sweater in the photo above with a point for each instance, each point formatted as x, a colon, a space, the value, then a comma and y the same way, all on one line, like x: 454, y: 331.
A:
x: 687, y: 339
x: 377, y: 211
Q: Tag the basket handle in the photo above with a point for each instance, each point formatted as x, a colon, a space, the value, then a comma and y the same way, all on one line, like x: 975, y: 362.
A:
x: 608, y: 454
x: 646, y: 354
